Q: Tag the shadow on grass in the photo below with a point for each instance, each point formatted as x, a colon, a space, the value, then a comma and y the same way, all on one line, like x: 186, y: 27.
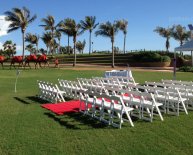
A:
x: 30, y: 100
x: 36, y: 99
x: 77, y: 121
x: 21, y: 100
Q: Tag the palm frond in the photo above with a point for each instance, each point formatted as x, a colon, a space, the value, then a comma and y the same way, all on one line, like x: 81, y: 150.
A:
x: 12, y: 29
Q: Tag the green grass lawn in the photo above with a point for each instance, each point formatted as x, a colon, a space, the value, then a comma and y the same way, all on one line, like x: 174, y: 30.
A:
x: 26, y: 128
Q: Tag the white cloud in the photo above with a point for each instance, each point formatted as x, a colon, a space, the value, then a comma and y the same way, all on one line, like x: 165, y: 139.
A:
x: 19, y: 48
x: 1, y: 45
x: 3, y: 25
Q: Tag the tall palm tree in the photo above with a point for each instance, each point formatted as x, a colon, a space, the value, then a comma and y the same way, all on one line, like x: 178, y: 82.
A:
x: 32, y: 39
x: 122, y: 24
x: 47, y: 39
x: 75, y: 30
x: 19, y: 18
x: 58, y: 35
x: 49, y: 25
x: 89, y: 24
x: 108, y: 30
x: 166, y: 33
x: 180, y: 34
x: 64, y: 28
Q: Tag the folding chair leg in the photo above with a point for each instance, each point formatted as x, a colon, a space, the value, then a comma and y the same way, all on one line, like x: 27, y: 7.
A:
x: 129, y: 118
x: 160, y: 115
x: 184, y: 107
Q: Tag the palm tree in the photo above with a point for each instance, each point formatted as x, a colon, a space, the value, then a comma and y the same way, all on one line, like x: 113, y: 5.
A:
x: 63, y: 28
x: 58, y: 35
x: 166, y: 33
x: 19, y: 18
x: 49, y: 24
x: 80, y: 46
x: 89, y: 24
x: 180, y: 34
x: 122, y: 24
x: 47, y: 39
x: 32, y: 39
x: 74, y: 29
x: 108, y: 30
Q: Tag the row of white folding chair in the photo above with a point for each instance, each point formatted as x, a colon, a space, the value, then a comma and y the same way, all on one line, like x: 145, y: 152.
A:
x: 186, y: 83
x: 50, y: 92
x: 124, y: 80
x: 186, y: 91
x: 109, y: 82
x: 107, y: 108
x: 170, y: 97
x: 71, y: 88
x: 91, y: 84
x: 144, y: 103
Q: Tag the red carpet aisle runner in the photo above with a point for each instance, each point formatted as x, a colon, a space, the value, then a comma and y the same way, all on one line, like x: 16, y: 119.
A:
x: 64, y: 107
x: 69, y: 106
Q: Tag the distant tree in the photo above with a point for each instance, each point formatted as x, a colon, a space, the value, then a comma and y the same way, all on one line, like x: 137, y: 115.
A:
x: 19, y: 18
x: 50, y: 25
x: 32, y: 39
x: 80, y: 46
x: 166, y: 33
x: 66, y: 50
x: 180, y: 34
x: 116, y: 49
x: 64, y: 27
x: 41, y: 50
x: 58, y: 35
x: 122, y: 25
x: 89, y: 24
x: 30, y: 48
x: 108, y: 30
x: 75, y: 30
x: 47, y: 39
x: 9, y: 48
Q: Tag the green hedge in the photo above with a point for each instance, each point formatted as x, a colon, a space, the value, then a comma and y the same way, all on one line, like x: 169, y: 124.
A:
x: 149, y: 57
x: 186, y: 69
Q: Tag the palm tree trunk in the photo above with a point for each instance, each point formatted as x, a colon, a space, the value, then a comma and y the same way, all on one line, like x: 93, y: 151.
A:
x: 167, y: 44
x: 181, y: 42
x: 74, y: 64
x: 113, y: 65
x: 36, y: 48
x: 23, y: 39
x: 59, y: 47
x: 124, y: 43
x: 47, y: 49
x: 90, y: 43
x: 68, y: 45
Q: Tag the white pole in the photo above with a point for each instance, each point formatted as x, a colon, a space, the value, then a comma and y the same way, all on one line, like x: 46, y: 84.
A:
x: 174, y: 74
x: 17, y: 75
x: 192, y: 58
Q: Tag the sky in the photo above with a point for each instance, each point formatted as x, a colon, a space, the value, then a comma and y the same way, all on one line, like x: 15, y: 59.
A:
x: 143, y: 17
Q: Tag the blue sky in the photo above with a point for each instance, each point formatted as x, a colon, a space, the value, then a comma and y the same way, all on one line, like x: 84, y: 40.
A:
x: 143, y: 16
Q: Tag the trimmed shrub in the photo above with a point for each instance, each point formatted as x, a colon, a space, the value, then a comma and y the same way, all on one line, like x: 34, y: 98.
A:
x: 165, y: 59
x: 186, y: 69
